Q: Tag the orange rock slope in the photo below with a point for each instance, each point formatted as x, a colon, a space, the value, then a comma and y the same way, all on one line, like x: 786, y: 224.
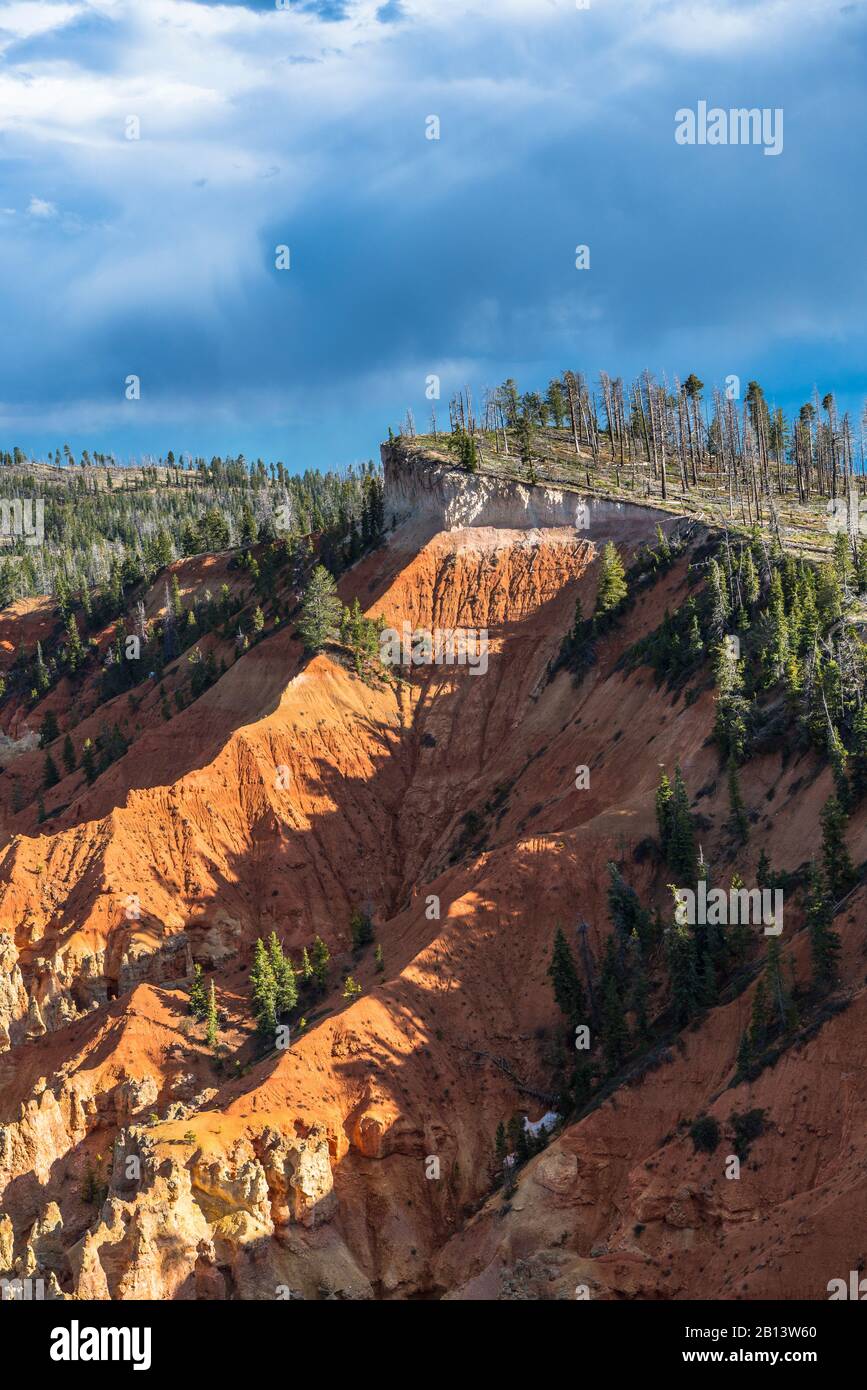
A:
x: 133, y: 1164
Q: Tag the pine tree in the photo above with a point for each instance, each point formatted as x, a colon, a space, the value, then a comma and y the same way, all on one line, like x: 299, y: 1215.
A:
x: 681, y: 850
x: 500, y: 1147
x: 283, y: 972
x: 858, y: 757
x: 839, y: 760
x: 612, y: 588
x: 175, y: 601
x: 306, y: 967
x: 840, y: 874
x: 74, y: 649
x: 775, y: 650
x: 351, y: 988
x: 740, y: 936
x: 719, y: 604
x: 378, y: 960
x: 50, y: 776
x: 321, y: 610
x: 824, y: 940
x: 568, y: 990
x: 682, y: 971
x: 664, y: 795
x: 42, y: 678
x: 625, y: 910
x: 48, y: 730
x: 263, y: 992
x: 745, y: 1058
x: 321, y: 959
x: 639, y: 988
x: 738, y: 821
x: 361, y: 929
x: 68, y: 754
x: 211, y: 1017
x: 764, y: 876
x: 708, y: 990
x: 750, y: 579
x: 198, y: 997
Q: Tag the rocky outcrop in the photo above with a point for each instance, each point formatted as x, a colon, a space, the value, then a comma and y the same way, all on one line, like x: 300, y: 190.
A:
x: 427, y: 489
x: 14, y: 1001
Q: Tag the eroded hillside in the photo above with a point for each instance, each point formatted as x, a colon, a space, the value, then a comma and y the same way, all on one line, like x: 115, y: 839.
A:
x: 137, y: 1161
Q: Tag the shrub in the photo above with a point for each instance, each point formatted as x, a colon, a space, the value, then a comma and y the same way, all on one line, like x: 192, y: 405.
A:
x: 705, y: 1134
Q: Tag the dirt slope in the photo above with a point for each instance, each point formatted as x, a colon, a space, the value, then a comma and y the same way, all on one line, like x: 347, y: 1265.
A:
x: 292, y: 792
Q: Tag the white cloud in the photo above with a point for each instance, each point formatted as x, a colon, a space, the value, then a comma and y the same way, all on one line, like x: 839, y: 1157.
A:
x: 31, y: 17
x: 40, y: 207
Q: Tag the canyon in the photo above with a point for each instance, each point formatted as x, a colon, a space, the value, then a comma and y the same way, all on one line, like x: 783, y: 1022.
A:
x: 292, y: 792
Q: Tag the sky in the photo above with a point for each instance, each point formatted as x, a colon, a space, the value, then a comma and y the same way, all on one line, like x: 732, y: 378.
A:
x: 304, y: 124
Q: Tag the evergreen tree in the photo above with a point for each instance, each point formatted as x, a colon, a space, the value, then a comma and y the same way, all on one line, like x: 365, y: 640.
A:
x: 681, y: 850
x: 664, y: 795
x: 824, y: 941
x: 283, y: 973
x: 51, y: 776
x: 682, y: 972
x: 858, y: 758
x: 198, y: 996
x: 612, y: 588
x: 68, y: 754
x: 775, y: 647
x: 839, y: 760
x: 744, y: 1058
x: 48, y: 730
x: 500, y: 1147
x: 89, y: 762
x: 840, y: 874
x: 361, y: 929
x: 321, y: 609
x: 764, y: 876
x: 378, y: 960
x: 263, y: 992
x: 639, y: 990
x: 626, y: 913
x: 750, y: 579
x: 74, y: 649
x: 568, y: 990
x: 42, y: 678
x: 707, y: 983
x: 738, y: 821
x: 320, y: 959
x: 719, y: 604
x: 351, y: 988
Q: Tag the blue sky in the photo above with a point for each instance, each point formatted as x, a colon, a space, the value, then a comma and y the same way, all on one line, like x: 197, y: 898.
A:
x: 305, y: 126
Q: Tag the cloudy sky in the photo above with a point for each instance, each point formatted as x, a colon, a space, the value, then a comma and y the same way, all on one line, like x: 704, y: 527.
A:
x: 303, y: 124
